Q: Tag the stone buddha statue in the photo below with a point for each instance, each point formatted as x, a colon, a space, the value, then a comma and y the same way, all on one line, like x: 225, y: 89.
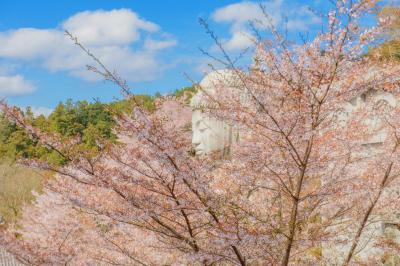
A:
x: 211, y: 134
x: 373, y: 100
x: 387, y: 225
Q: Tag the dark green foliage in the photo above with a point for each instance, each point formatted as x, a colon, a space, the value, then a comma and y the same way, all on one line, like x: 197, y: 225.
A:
x: 15, y: 143
x: 125, y: 106
x: 186, y: 92
x: 146, y: 101
x: 87, y: 121
x: 73, y: 119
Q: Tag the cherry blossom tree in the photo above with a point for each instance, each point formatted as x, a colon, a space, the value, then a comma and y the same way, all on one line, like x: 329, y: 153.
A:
x: 305, y: 180
x: 318, y: 167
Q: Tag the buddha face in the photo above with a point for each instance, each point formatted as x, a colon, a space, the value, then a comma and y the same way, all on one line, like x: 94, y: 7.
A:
x: 209, y: 134
x: 374, y: 101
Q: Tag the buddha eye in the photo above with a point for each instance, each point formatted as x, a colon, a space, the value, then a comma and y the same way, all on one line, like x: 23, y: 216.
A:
x: 383, y: 107
x: 202, y: 127
x: 381, y: 104
x: 340, y: 114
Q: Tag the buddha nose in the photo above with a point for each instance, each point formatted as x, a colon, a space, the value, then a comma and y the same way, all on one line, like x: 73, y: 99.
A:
x: 196, y: 140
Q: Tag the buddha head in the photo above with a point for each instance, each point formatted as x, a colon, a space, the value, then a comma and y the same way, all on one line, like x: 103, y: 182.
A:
x: 211, y: 134
x: 373, y: 100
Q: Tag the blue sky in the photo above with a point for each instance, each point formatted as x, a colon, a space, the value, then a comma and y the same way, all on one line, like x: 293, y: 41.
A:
x: 150, y: 43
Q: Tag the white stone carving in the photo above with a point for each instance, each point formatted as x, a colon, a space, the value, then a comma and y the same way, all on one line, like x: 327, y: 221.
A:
x: 211, y: 134
x: 371, y: 102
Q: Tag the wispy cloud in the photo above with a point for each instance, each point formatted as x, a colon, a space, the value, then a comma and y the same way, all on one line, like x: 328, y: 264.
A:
x: 277, y: 13
x: 15, y: 86
x: 113, y: 36
x: 103, y: 28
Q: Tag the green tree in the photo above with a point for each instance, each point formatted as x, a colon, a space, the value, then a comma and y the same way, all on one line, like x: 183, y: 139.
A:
x: 81, y: 119
x: 186, y: 93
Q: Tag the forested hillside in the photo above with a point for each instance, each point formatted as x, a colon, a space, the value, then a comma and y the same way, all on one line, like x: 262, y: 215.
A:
x: 83, y: 120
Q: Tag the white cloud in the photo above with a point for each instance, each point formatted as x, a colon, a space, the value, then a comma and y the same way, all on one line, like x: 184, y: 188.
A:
x: 7, y: 67
x: 154, y: 45
x: 110, y: 35
x: 115, y: 27
x: 302, y: 19
x: 240, y: 14
x: 40, y: 110
x: 28, y: 43
x: 134, y: 66
x: 15, y: 85
x: 239, y: 40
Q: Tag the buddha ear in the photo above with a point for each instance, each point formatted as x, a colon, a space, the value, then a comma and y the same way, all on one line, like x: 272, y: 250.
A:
x: 200, y: 109
x: 226, y: 152
x: 237, y: 137
x: 192, y: 152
